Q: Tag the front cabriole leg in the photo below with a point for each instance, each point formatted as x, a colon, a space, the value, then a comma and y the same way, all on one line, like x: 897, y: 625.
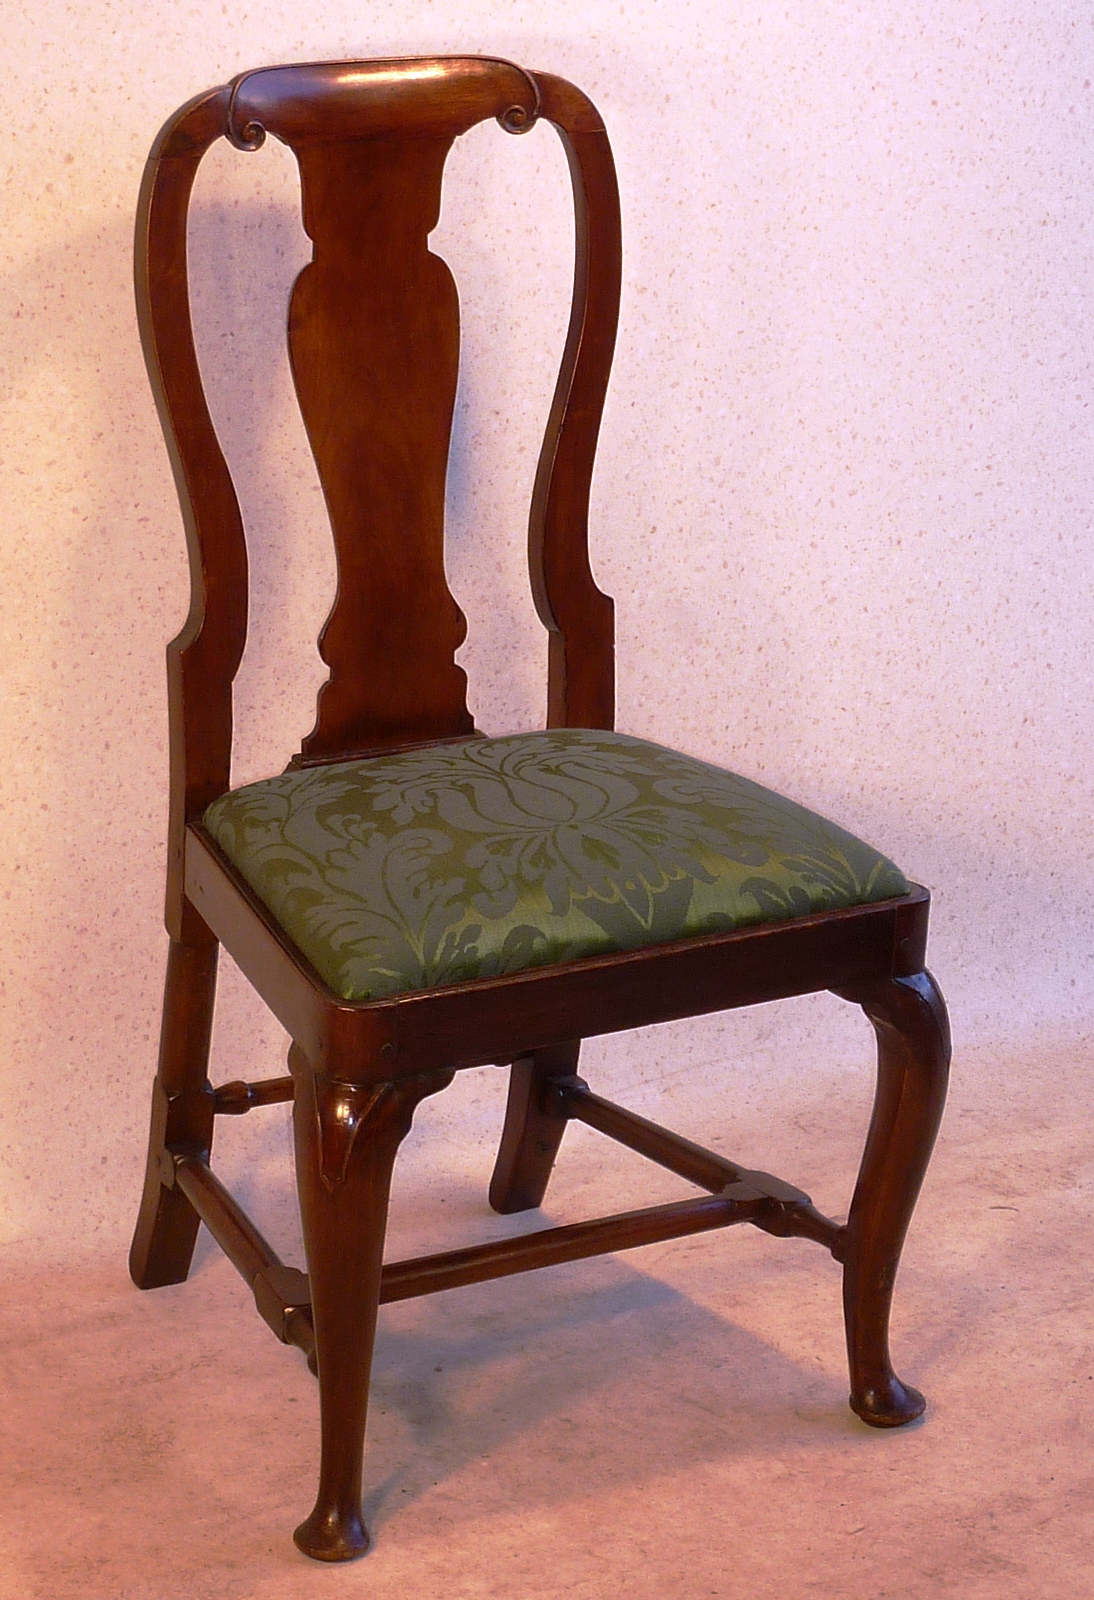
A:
x: 347, y: 1137
x: 913, y: 1034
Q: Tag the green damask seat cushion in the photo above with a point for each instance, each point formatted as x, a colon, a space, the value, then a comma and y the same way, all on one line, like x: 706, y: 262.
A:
x: 468, y: 860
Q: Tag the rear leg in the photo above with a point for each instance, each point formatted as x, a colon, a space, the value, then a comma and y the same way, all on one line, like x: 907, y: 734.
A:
x: 182, y: 1116
x: 533, y: 1129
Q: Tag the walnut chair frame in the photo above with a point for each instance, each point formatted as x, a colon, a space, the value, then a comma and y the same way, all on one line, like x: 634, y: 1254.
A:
x: 371, y: 140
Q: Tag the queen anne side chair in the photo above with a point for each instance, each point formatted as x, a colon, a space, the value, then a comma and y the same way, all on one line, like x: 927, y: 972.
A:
x: 412, y: 898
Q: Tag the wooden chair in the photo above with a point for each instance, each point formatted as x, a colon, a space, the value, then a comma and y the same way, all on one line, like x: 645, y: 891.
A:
x: 527, y: 914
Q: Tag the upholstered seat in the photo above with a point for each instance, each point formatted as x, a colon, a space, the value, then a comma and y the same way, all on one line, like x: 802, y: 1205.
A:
x: 472, y: 859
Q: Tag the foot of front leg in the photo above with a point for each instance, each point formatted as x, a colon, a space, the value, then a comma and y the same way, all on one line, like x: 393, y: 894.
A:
x: 888, y: 1404
x: 333, y: 1534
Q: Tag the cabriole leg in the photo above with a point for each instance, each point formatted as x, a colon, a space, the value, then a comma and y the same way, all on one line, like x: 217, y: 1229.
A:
x: 182, y: 1115
x: 531, y: 1135
x: 909, y: 1018
x: 346, y: 1141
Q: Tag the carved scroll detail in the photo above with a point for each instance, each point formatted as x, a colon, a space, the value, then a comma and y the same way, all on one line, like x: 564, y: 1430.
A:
x: 518, y: 118
x: 249, y: 135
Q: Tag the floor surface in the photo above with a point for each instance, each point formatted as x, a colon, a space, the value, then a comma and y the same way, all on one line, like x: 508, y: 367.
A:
x: 671, y: 1422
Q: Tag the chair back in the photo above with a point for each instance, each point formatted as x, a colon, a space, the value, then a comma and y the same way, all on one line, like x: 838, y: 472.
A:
x: 373, y: 334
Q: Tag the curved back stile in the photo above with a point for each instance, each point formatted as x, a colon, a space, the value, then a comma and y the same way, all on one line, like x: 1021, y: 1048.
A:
x: 578, y: 616
x: 203, y: 659
x: 374, y: 349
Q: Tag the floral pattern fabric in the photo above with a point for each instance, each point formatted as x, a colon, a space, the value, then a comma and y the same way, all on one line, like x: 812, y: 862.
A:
x: 462, y: 861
